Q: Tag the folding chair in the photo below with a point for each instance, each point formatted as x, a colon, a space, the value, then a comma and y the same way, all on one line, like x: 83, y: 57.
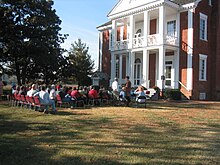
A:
x: 60, y: 102
x: 141, y: 100
x: 37, y: 104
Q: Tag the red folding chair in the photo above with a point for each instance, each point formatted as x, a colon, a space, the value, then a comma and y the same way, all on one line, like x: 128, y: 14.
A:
x: 60, y: 102
x: 37, y: 103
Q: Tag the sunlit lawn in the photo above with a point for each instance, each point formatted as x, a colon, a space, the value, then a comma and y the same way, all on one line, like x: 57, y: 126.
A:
x: 163, y: 133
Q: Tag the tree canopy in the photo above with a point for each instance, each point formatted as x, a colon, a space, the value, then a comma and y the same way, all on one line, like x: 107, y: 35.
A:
x: 30, y: 40
x: 81, y: 65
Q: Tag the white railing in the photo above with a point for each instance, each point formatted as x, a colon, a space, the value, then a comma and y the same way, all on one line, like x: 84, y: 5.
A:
x: 121, y: 45
x: 183, y: 86
x: 138, y: 42
x: 171, y: 40
x: 153, y: 39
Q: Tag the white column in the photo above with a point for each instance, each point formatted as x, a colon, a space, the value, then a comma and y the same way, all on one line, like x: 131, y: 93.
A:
x: 162, y: 14
x: 161, y: 68
x: 131, y: 31
x: 100, y: 51
x: 146, y: 26
x: 114, y: 33
x: 190, y: 50
x: 112, y: 67
x: 120, y: 68
x: 127, y: 64
x: 132, y: 68
x: 176, y: 67
x: 145, y: 81
x: 156, y: 68
x: 178, y: 27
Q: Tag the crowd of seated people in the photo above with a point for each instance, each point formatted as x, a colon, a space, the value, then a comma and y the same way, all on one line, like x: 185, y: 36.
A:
x: 75, y: 97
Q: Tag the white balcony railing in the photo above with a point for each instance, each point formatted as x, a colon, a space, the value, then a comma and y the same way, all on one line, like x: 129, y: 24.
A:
x: 140, y: 42
x: 171, y: 40
x: 153, y: 40
x: 121, y: 45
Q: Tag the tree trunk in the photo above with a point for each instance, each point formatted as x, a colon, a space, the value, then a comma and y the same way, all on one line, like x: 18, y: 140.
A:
x: 18, y: 73
x: 24, y: 74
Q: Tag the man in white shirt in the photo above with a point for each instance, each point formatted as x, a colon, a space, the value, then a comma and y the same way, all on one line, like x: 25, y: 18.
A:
x: 32, y: 91
x: 115, y: 88
x: 44, y: 98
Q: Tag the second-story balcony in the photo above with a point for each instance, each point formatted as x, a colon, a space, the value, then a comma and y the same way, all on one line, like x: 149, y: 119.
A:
x: 140, y: 42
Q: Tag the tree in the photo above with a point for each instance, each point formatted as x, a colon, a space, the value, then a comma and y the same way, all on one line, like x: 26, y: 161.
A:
x: 81, y: 64
x: 30, y: 39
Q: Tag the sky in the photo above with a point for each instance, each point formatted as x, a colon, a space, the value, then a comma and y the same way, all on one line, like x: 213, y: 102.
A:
x: 80, y: 19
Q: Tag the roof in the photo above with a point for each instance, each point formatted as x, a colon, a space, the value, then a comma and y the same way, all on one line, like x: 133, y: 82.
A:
x: 100, y: 75
x: 183, y: 2
x: 105, y: 24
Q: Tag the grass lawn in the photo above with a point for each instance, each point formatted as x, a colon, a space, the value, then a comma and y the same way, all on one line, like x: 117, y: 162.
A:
x: 163, y: 133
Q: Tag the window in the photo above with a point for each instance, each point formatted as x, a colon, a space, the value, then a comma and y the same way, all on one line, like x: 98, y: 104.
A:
x: 203, y: 26
x: 171, y: 28
x: 168, y: 73
x: 202, y: 67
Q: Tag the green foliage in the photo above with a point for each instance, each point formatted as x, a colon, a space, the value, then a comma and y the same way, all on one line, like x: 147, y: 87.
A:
x: 81, y: 64
x: 30, y: 39
x: 173, y: 94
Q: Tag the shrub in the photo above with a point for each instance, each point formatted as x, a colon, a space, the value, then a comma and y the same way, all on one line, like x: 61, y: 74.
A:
x: 173, y: 94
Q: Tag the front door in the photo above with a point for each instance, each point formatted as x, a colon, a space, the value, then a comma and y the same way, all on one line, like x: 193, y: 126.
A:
x: 168, y: 73
x: 137, y: 72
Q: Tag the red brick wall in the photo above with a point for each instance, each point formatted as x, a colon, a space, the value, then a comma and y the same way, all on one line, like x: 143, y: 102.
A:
x: 201, y: 47
x: 215, y: 47
x: 125, y: 33
x: 153, y: 26
x: 106, y: 54
x: 152, y: 69
x: 183, y: 49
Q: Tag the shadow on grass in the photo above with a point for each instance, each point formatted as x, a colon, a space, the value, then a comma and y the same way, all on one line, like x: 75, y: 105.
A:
x: 180, y: 105
x: 103, y: 140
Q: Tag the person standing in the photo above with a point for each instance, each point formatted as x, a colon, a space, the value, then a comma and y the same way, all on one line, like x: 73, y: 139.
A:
x: 115, y: 88
x: 128, y: 89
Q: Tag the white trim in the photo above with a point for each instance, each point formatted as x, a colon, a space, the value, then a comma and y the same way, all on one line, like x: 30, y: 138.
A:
x: 210, y: 2
x: 190, y: 50
x: 205, y: 18
x: 203, y: 57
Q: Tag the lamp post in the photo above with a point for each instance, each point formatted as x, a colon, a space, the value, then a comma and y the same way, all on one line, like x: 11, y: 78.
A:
x: 163, y: 78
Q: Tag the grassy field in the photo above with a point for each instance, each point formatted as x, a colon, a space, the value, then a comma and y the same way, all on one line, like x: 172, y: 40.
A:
x: 163, y: 133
